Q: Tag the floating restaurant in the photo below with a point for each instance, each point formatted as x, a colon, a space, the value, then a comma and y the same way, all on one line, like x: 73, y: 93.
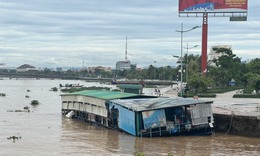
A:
x: 140, y: 115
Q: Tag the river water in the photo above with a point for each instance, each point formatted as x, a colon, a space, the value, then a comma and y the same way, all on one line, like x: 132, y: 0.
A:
x: 45, y: 132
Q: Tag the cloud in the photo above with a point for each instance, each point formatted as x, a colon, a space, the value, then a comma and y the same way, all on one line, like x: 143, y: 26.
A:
x: 66, y: 33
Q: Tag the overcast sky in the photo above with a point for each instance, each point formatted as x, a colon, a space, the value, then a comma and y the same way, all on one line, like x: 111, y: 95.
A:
x: 59, y: 33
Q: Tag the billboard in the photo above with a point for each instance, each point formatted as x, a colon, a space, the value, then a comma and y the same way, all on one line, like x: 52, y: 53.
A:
x: 213, y: 6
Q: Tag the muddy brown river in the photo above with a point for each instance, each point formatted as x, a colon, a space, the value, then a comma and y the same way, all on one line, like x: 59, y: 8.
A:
x: 43, y: 131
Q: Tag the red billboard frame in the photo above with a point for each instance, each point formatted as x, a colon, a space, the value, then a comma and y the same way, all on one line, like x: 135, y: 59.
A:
x: 213, y: 6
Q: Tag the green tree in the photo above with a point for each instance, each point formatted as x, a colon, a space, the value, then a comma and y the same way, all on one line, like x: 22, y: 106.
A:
x: 254, y: 66
x: 199, y: 83
x: 219, y: 76
x: 192, y: 66
x: 170, y: 73
x: 151, y: 73
x: 254, y: 82
x: 229, y: 67
x: 245, y: 78
x: 133, y: 67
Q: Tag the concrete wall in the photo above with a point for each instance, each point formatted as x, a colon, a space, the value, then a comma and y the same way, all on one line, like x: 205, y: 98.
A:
x: 237, y: 125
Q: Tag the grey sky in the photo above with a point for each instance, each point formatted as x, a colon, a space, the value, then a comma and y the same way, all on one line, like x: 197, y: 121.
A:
x: 58, y: 33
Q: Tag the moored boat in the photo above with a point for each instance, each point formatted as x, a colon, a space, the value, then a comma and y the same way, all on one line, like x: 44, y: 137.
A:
x: 67, y: 85
x: 141, y: 115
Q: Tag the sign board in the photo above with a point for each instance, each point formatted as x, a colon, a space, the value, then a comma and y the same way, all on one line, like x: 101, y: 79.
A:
x: 213, y: 6
x: 238, y: 18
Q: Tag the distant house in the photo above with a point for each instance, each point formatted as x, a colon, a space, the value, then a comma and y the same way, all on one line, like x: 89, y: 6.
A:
x: 25, y: 68
x: 2, y: 66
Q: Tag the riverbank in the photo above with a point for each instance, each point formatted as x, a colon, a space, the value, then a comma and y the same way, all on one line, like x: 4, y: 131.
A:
x: 237, y: 123
x: 87, y: 79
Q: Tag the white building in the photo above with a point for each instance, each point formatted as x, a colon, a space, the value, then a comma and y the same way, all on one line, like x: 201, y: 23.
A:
x: 123, y: 65
x: 2, y: 66
x: 25, y: 68
x: 126, y: 64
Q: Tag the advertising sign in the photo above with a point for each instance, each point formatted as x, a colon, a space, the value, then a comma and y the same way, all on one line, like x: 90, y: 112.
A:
x: 154, y: 118
x: 238, y: 19
x: 213, y: 6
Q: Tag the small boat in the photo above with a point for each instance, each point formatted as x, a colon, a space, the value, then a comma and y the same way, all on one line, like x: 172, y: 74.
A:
x: 113, y: 81
x: 71, y: 85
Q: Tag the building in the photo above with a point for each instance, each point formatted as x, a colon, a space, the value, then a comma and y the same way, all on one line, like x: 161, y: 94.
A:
x: 214, y: 55
x: 92, y: 103
x: 162, y: 116
x: 93, y: 69
x: 2, y: 66
x: 140, y: 115
x: 25, y: 68
x: 126, y: 64
x: 123, y: 65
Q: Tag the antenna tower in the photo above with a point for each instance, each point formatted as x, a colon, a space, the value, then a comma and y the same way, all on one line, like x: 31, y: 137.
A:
x: 126, y: 49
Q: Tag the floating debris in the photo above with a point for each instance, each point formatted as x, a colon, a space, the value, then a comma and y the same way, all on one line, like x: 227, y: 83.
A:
x: 54, y: 89
x: 26, y: 108
x: 2, y: 94
x: 71, y: 85
x: 34, y: 102
x: 70, y: 114
x: 14, y: 137
x: 28, y: 90
x: 27, y: 96
x: 19, y: 110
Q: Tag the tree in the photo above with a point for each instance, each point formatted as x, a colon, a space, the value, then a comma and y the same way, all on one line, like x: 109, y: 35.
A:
x: 229, y: 67
x: 219, y: 76
x: 254, y: 82
x: 133, y: 67
x: 199, y: 83
x: 254, y: 66
x: 246, y: 77
x: 151, y: 73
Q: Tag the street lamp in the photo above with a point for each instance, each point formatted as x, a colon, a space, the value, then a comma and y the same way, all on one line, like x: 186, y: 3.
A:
x: 183, y: 31
x: 179, y: 58
x: 187, y: 59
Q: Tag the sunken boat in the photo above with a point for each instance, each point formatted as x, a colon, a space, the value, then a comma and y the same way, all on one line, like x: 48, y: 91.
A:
x: 140, y: 115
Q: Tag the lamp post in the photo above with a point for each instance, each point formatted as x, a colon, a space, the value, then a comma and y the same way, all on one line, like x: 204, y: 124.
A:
x: 187, y: 59
x: 177, y: 72
x: 183, y: 31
